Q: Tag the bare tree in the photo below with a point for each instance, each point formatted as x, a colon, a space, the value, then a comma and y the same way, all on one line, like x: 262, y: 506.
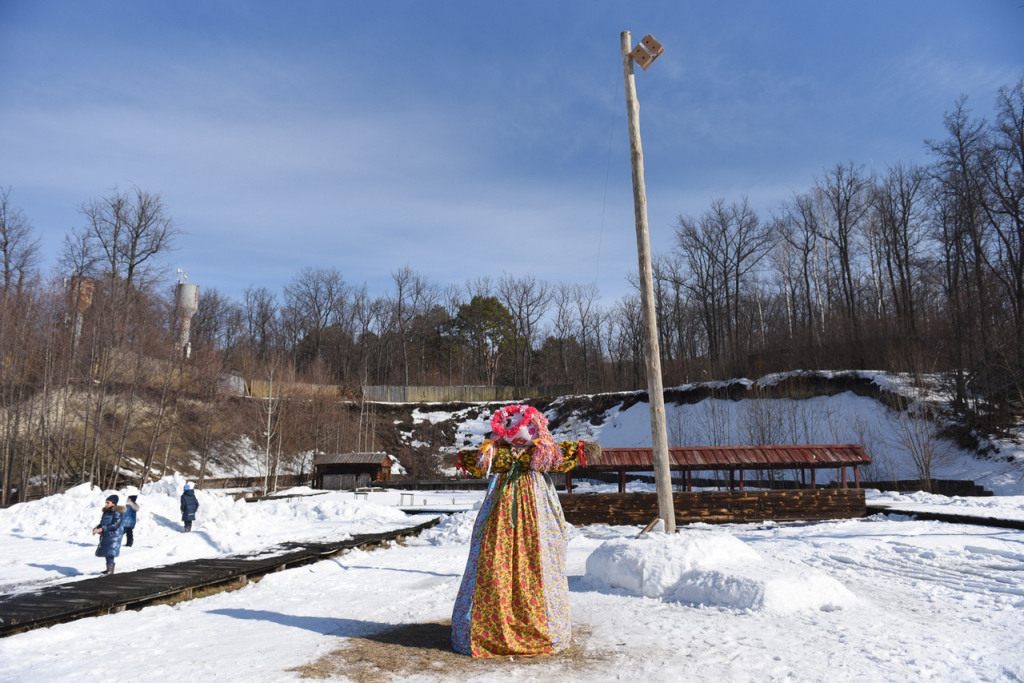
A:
x: 127, y: 230
x: 527, y: 299
x: 1004, y: 180
x: 587, y: 319
x: 702, y: 249
x: 311, y: 300
x: 917, y: 437
x: 19, y: 249
x: 964, y: 232
x: 720, y: 250
x: 630, y: 340
x: 260, y: 312
x: 800, y: 228
x: 413, y: 296
x: 563, y: 326
x: 218, y: 321
x: 899, y: 208
x: 845, y: 193
x: 763, y: 420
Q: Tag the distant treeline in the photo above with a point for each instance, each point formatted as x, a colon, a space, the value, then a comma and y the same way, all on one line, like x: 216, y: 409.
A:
x: 916, y: 268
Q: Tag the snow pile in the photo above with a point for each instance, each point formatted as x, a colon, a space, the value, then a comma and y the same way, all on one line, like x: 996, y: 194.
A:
x: 452, y: 530
x: 711, y: 569
x: 56, y: 516
x: 50, y: 540
x: 171, y: 485
x: 332, y: 508
x: 296, y: 491
x: 1001, y: 507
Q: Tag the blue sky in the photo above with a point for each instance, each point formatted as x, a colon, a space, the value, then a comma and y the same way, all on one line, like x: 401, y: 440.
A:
x: 464, y: 139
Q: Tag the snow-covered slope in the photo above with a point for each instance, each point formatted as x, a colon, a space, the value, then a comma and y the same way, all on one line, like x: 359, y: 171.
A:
x: 843, y: 417
x: 890, y: 600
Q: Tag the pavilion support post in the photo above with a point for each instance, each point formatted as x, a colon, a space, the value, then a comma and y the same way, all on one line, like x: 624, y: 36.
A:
x: 732, y: 480
x: 741, y: 480
x: 622, y: 481
x: 856, y: 477
x: 689, y: 480
x: 652, y: 352
x: 844, y: 477
x: 568, y: 482
x: 814, y: 480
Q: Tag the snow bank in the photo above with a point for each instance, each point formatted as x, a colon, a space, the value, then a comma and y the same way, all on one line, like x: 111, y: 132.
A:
x: 711, y: 569
x: 452, y: 530
x: 1001, y: 507
x: 296, y: 491
x: 50, y: 540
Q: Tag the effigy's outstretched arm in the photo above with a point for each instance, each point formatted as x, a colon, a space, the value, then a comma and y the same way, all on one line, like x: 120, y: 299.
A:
x: 478, y: 462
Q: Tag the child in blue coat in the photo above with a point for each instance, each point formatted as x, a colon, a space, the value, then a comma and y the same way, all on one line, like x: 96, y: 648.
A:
x: 131, y: 510
x: 109, y: 530
x: 189, y: 505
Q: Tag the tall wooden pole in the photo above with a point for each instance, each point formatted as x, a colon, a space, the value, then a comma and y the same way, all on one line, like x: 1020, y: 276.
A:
x: 655, y: 390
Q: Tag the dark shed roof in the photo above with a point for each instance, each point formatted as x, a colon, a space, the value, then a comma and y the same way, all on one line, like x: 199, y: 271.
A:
x: 352, y: 459
x: 733, y: 457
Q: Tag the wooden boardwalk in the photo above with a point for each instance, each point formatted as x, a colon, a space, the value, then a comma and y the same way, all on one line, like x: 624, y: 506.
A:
x: 949, y: 518
x: 135, y: 590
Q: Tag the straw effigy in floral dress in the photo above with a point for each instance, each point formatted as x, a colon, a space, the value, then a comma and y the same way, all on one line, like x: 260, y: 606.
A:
x: 514, y: 598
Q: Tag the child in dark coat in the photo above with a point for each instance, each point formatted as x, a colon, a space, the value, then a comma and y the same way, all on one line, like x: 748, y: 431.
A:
x: 132, y: 509
x: 189, y: 505
x: 109, y: 530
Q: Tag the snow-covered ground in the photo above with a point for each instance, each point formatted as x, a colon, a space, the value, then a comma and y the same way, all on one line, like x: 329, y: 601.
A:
x: 885, y: 598
x: 50, y: 540
x: 877, y: 599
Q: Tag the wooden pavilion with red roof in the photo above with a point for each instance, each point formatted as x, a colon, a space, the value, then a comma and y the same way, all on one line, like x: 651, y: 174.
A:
x: 738, y: 504
x: 734, y: 459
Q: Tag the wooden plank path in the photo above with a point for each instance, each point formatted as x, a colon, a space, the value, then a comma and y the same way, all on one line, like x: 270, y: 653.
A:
x: 950, y: 518
x: 135, y: 590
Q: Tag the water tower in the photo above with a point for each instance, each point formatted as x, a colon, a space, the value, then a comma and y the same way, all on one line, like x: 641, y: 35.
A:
x: 187, y: 305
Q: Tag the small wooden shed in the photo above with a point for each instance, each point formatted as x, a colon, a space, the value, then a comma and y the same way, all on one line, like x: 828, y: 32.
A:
x: 346, y: 471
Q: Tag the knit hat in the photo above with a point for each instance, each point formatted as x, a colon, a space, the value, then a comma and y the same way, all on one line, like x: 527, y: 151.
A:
x: 133, y: 498
x: 188, y: 486
x: 112, y: 498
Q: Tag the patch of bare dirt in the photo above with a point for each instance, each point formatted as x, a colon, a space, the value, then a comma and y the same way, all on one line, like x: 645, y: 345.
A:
x: 426, y: 649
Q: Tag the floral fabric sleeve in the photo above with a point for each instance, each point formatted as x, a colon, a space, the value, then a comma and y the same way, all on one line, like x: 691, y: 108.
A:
x: 476, y: 461
x: 572, y: 456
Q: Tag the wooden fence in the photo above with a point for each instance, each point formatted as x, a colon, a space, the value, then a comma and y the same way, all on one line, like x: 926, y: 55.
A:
x: 259, y: 388
x: 284, y: 481
x: 715, y: 507
x: 460, y: 394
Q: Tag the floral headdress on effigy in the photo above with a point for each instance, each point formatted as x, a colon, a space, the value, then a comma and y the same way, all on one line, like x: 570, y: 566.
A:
x: 522, y: 426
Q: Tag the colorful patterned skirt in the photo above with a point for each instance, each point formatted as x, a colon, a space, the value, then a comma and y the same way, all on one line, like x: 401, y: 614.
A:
x: 514, y: 599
